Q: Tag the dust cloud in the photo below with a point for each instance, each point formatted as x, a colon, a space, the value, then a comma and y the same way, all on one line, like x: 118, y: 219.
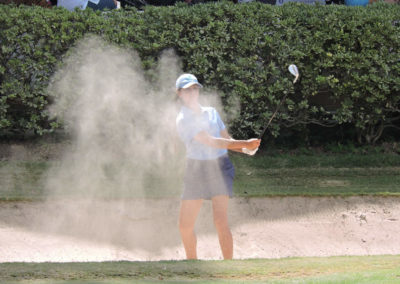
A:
x: 122, y: 126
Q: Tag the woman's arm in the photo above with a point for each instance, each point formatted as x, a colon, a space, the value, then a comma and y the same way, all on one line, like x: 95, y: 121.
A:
x: 226, y: 142
x: 225, y: 134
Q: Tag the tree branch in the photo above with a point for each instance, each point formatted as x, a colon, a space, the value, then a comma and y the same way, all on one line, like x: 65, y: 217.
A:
x: 312, y: 121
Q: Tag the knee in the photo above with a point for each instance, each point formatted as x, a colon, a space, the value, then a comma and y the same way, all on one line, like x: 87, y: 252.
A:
x: 221, y: 222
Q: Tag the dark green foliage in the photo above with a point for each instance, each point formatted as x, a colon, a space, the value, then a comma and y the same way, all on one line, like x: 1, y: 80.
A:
x: 348, y: 58
x: 33, y: 41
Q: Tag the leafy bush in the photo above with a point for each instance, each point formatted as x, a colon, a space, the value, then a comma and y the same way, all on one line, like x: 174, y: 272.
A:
x: 33, y: 41
x: 348, y: 58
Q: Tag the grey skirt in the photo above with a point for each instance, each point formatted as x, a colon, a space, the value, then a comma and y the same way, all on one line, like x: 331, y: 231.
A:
x: 205, y: 179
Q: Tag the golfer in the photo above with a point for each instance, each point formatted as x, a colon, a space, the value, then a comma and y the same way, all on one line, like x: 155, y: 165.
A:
x: 209, y: 172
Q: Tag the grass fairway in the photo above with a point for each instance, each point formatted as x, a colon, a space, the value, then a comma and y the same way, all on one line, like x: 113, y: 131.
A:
x: 317, y: 175
x: 351, y: 269
x: 261, y: 175
x: 254, y: 181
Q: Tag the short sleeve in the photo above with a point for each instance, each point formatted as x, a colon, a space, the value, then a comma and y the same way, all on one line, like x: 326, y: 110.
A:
x: 220, y: 123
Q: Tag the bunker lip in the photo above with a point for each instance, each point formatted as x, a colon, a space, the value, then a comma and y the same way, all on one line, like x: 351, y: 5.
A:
x: 146, y: 230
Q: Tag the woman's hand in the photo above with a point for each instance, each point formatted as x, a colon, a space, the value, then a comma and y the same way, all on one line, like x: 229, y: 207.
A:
x: 253, y: 143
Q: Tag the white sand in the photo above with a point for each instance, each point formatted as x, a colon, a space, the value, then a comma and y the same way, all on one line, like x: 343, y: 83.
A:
x: 138, y: 230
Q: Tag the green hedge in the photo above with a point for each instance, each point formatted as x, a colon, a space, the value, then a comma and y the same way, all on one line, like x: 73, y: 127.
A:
x: 349, y: 59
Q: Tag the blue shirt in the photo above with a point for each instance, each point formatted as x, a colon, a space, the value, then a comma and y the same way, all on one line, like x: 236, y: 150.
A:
x: 189, y: 124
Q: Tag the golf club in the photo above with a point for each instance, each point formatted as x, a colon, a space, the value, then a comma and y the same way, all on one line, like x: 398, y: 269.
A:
x: 295, y: 72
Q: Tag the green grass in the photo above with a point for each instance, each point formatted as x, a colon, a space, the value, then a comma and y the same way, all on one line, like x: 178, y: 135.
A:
x: 22, y: 180
x: 261, y: 175
x: 317, y: 175
x: 253, y: 181
x: 319, y: 160
x: 365, y: 269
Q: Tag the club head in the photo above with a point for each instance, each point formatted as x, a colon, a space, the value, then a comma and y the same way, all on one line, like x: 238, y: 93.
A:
x: 294, y: 71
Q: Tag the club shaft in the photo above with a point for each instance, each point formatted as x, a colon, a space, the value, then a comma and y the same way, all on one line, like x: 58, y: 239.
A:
x: 295, y: 72
x: 273, y: 116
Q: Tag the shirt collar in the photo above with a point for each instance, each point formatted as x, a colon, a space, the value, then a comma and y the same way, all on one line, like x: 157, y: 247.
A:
x: 189, y: 111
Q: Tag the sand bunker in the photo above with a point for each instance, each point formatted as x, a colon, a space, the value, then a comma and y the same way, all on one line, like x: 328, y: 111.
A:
x: 142, y: 230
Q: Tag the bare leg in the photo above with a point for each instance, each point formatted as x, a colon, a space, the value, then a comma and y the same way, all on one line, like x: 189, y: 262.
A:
x: 187, y: 219
x: 220, y: 211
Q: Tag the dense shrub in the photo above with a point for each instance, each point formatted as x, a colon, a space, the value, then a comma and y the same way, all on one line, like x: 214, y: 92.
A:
x: 348, y: 57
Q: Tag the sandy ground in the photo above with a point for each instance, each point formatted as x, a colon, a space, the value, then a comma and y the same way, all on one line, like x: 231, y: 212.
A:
x: 72, y: 230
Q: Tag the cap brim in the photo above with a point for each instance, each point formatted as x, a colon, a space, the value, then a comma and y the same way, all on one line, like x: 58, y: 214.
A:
x: 191, y: 84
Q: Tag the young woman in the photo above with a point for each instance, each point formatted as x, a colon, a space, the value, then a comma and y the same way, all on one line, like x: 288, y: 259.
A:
x: 209, y: 172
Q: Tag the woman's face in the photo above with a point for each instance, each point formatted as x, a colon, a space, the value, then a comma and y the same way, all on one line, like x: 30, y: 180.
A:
x: 190, y: 95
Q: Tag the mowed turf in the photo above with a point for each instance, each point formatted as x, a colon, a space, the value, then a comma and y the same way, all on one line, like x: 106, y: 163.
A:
x: 318, y: 175
x: 350, y: 269
x: 318, y: 181
x: 260, y: 175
